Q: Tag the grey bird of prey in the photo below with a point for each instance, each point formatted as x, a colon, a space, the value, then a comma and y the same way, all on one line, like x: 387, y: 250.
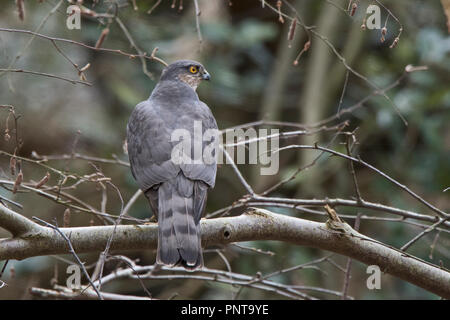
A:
x: 176, y: 191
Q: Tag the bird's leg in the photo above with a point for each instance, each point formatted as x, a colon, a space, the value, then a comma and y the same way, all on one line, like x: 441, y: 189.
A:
x: 152, y: 220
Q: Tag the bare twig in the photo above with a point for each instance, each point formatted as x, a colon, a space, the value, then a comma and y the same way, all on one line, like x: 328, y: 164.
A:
x: 424, y: 232
x: 116, y: 51
x: 197, y: 21
x: 73, y: 81
x: 72, y: 251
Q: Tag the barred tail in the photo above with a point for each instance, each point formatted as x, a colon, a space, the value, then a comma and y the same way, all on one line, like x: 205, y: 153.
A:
x: 181, y: 203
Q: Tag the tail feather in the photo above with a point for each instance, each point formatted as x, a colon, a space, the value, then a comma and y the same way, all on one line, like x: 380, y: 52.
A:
x: 185, y: 228
x: 167, y: 245
x: 200, y: 195
x: 180, y: 206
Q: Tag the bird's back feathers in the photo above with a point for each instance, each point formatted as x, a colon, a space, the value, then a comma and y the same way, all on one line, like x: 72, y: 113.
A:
x: 176, y: 192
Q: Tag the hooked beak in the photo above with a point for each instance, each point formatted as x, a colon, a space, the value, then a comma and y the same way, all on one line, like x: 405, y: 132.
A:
x: 205, y: 75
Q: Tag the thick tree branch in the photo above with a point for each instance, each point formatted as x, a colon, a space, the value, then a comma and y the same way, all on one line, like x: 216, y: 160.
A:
x: 17, y: 224
x: 256, y: 224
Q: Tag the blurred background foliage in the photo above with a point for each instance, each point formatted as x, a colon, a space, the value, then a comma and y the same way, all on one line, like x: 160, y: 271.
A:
x: 246, y: 51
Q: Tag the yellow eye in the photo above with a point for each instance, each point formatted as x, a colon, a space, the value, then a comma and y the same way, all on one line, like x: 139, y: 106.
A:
x: 193, y: 69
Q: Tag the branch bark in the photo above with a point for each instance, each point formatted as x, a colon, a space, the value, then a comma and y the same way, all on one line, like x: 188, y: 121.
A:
x: 32, y: 239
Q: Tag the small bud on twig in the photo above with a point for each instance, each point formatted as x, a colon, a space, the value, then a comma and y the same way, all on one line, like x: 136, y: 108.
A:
x: 18, y: 181
x: 410, y: 68
x: 102, y: 38
x: 306, y: 47
x: 280, y: 16
x: 125, y: 147
x: 354, y: 7
x: 66, y: 218
x: 85, y: 67
x: 291, y: 32
x: 7, y: 136
x: 20, y: 9
x: 154, y: 52
x: 43, y: 181
x: 383, y: 33
x: 394, y: 44
x: 12, y: 165
x: 135, y: 7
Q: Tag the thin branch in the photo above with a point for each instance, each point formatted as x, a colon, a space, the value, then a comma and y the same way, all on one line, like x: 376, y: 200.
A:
x: 73, y: 81
x: 424, y: 232
x: 116, y: 51
x: 197, y: 21
x: 141, y: 54
x: 359, y: 161
x: 76, y: 155
x: 39, y: 27
x: 236, y: 170
x: 207, y: 274
x: 343, y: 92
x: 72, y: 251
x: 325, y: 40
x: 65, y: 293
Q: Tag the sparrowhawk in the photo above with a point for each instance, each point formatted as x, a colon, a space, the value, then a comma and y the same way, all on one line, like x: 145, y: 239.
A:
x: 176, y: 191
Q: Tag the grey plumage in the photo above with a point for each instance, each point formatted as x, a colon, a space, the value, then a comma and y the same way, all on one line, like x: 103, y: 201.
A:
x: 176, y: 192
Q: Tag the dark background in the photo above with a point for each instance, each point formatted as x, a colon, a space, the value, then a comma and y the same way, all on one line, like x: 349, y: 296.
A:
x: 245, y: 49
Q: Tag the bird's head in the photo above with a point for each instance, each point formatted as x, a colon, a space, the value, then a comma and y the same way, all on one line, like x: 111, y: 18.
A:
x: 188, y: 71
